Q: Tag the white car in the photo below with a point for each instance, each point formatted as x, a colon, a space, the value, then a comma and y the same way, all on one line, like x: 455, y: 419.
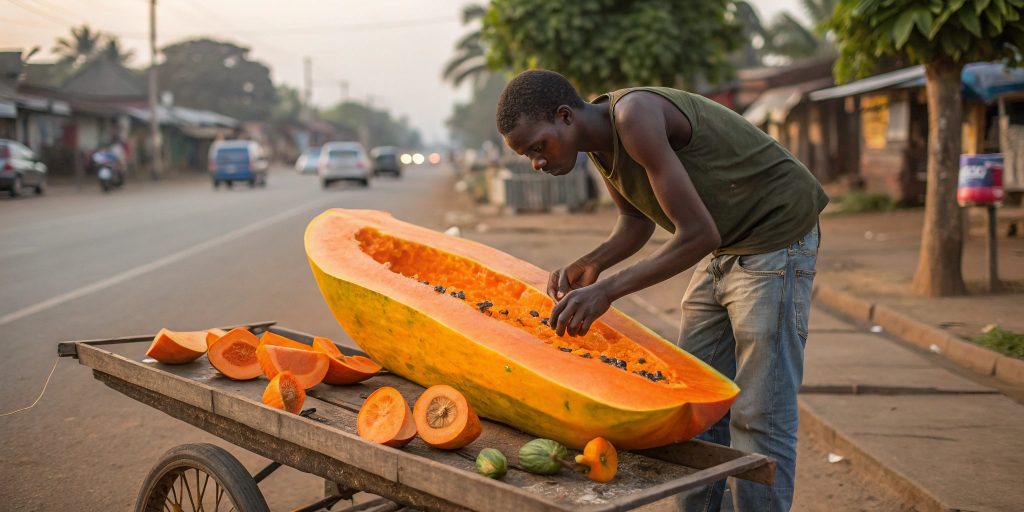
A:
x: 344, y: 161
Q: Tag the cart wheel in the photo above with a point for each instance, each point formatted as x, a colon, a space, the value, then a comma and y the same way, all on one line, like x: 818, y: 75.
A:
x: 199, y: 477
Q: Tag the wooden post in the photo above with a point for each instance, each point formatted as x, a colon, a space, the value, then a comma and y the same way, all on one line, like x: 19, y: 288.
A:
x: 993, y: 256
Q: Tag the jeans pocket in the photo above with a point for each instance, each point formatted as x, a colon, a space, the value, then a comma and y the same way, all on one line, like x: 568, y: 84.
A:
x: 765, y: 264
x: 802, y: 286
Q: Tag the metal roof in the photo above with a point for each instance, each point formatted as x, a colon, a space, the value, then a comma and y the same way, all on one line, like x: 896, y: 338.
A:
x: 874, y: 83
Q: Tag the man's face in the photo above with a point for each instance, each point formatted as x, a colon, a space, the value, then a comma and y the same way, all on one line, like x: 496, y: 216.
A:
x: 549, y: 145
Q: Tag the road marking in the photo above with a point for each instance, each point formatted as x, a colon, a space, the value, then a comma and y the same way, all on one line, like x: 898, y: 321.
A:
x: 156, y: 264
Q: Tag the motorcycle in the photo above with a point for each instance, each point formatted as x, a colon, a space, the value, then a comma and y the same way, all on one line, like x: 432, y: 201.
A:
x: 108, y: 170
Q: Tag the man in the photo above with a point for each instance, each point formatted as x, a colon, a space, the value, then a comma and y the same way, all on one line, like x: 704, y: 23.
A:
x: 738, y: 205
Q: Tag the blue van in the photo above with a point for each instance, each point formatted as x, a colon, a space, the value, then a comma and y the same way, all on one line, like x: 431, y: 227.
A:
x: 237, y: 160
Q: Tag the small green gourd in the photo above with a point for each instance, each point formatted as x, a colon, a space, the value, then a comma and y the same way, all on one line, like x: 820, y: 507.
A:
x: 542, y: 456
x: 491, y: 463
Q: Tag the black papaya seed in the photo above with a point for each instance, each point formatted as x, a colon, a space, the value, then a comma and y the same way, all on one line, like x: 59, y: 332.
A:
x: 484, y: 305
x: 440, y: 289
x: 544, y: 320
x: 587, y: 356
x: 504, y: 311
x: 641, y: 360
x: 565, y: 349
x: 534, y: 313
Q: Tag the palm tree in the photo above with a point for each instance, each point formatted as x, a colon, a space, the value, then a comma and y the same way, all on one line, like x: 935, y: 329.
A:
x: 83, y: 44
x: 113, y: 51
x: 470, y: 60
x: 787, y: 37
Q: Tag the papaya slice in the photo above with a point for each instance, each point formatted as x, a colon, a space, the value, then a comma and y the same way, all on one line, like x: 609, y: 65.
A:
x: 307, y: 366
x: 270, y: 338
x: 285, y: 392
x: 444, y: 419
x: 344, y: 370
x: 213, y: 335
x: 385, y: 418
x: 177, y: 347
x: 234, y: 354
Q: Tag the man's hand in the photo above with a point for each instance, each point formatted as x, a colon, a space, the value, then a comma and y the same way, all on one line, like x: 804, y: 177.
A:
x: 575, y: 275
x: 580, y: 308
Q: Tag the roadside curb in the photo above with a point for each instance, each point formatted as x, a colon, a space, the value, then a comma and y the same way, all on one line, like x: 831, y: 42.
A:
x: 910, y: 330
x: 869, y: 467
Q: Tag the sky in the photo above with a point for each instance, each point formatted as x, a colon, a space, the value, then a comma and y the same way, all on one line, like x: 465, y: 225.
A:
x: 388, y: 53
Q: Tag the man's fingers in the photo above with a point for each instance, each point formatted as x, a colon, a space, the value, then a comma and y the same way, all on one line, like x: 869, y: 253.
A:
x: 553, y: 284
x: 565, y: 314
x: 556, y: 312
x: 585, y: 328
x: 563, y: 283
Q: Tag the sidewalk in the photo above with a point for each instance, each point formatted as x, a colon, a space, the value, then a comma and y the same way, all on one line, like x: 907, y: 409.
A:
x: 905, y: 418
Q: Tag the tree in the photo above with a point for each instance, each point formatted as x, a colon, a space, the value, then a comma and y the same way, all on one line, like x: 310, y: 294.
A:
x: 470, y: 60
x: 113, y: 51
x: 218, y: 76
x: 472, y: 123
x: 605, y: 44
x: 376, y: 127
x: 80, y: 47
x: 943, y: 35
x: 289, y: 104
x: 785, y: 37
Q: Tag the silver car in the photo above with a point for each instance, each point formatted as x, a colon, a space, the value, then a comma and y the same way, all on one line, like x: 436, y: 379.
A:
x: 20, y: 169
x: 344, y: 161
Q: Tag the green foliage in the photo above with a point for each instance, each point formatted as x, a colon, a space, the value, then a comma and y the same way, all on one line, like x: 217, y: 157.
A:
x: 472, y: 123
x: 218, y: 76
x: 860, y: 202
x: 926, y: 31
x: 1001, y: 340
x: 606, y: 44
x: 288, y: 106
x: 376, y: 127
x: 470, y: 61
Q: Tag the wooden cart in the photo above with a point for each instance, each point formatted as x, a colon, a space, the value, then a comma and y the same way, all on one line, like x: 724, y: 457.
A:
x: 322, y: 441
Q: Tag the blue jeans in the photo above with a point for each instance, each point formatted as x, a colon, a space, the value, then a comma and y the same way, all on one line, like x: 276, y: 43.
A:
x: 747, y: 317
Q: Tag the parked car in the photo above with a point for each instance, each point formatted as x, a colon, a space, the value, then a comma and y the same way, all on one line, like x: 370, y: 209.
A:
x: 238, y: 160
x: 20, y: 169
x: 344, y: 161
x: 385, y: 160
x: 308, y: 161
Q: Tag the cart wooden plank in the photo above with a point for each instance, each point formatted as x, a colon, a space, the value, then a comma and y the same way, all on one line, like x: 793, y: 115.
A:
x: 417, y: 475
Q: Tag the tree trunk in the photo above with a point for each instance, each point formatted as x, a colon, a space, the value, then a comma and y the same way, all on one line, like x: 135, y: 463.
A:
x: 938, y: 265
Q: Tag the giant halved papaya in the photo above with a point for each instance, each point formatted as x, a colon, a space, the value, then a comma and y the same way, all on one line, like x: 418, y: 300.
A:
x: 438, y: 309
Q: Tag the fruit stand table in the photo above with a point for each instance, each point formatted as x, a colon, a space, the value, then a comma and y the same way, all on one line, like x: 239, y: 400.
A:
x: 323, y: 441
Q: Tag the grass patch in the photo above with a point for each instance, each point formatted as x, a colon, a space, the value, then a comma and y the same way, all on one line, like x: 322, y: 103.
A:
x: 1001, y: 340
x: 860, y: 202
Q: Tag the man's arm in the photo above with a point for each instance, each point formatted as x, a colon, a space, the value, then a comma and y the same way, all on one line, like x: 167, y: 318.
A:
x: 632, y: 230
x: 643, y: 129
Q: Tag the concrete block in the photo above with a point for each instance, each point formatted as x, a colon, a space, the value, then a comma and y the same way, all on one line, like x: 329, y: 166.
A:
x: 975, y: 357
x: 1010, y: 369
x: 843, y: 302
x: 910, y: 330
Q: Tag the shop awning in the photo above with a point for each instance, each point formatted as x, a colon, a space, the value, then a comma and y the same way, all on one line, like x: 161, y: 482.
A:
x: 982, y: 80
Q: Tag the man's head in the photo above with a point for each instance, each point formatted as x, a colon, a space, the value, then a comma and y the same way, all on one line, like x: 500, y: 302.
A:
x: 536, y: 116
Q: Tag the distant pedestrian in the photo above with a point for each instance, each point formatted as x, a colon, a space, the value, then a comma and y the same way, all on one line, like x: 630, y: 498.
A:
x: 738, y: 205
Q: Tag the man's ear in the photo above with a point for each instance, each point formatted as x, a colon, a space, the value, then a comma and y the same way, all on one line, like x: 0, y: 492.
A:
x: 565, y: 114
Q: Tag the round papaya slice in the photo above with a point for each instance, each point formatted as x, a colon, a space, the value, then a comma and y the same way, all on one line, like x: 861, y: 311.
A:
x: 285, y: 392
x: 385, y: 418
x: 234, y: 354
x: 307, y: 366
x: 344, y: 370
x: 270, y: 338
x: 444, y: 418
x: 177, y: 347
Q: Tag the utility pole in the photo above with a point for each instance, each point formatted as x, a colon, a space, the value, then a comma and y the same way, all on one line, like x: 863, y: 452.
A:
x: 307, y: 93
x: 154, y: 123
x: 344, y: 90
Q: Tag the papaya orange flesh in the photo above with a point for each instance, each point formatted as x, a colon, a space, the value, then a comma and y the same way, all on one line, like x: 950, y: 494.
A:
x: 307, y: 366
x: 285, y: 392
x: 213, y: 335
x: 177, y: 347
x: 344, y: 370
x: 270, y: 338
x: 444, y: 419
x: 234, y: 355
x: 384, y: 418
x: 438, y: 309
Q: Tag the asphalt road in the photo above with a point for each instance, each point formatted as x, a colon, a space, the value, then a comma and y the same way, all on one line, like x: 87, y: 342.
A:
x: 177, y: 254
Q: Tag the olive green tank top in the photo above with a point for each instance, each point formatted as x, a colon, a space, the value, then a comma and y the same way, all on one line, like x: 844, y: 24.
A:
x: 760, y: 196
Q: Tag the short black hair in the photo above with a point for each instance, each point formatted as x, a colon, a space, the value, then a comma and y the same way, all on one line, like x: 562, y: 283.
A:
x: 537, y: 94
